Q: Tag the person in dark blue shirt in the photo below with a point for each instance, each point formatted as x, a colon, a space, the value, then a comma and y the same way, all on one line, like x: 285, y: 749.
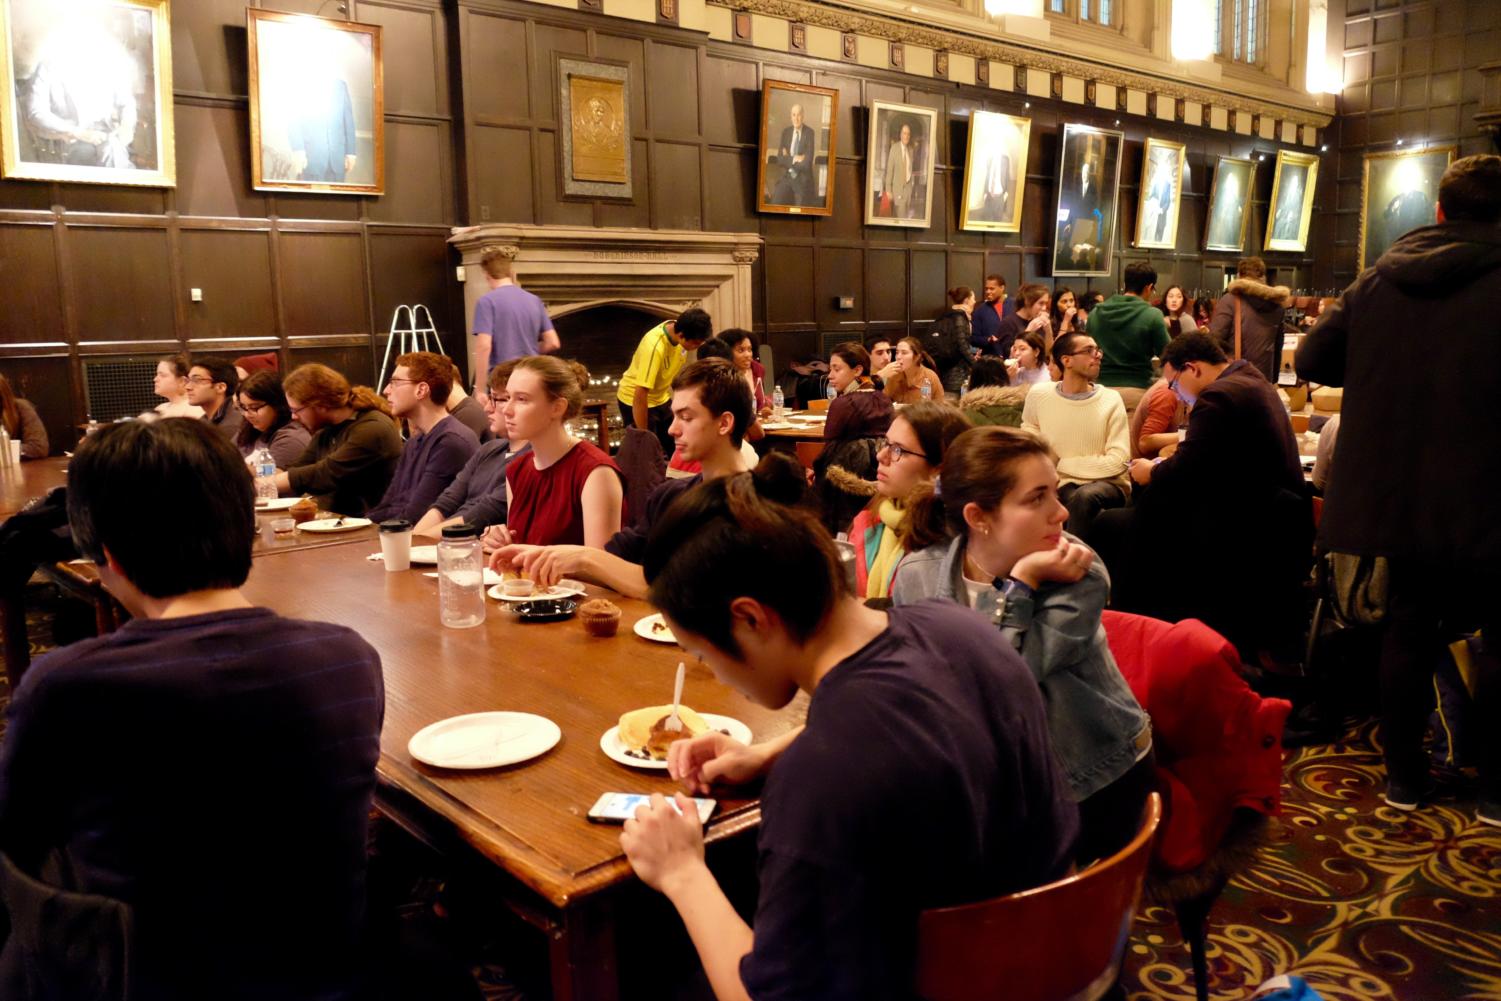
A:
x: 924, y: 777
x: 184, y: 801
x: 439, y: 445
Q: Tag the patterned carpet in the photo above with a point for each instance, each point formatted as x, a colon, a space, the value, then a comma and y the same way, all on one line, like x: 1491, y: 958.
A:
x: 1364, y: 901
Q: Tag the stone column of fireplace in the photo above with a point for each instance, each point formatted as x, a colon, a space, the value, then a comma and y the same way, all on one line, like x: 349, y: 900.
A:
x: 578, y: 267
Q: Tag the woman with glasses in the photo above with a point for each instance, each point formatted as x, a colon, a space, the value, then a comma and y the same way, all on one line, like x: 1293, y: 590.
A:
x: 999, y: 547
x: 171, y: 384
x: 268, y: 422
x: 349, y: 462
x: 911, y: 454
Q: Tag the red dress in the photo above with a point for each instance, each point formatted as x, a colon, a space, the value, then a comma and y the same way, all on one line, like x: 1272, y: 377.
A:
x: 547, y: 506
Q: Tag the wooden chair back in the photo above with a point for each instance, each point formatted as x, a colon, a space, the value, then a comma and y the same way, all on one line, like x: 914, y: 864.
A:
x: 1060, y: 942
x: 814, y: 406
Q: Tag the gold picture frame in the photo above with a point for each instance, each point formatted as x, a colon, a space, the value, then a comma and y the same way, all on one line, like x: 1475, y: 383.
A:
x: 317, y: 104
x: 1291, y: 207
x: 1161, y: 195
x: 594, y: 128
x: 1406, y: 181
x: 995, y: 172
x: 115, y: 53
x: 795, y: 173
x: 1087, y: 207
x: 1230, y: 204
x: 899, y: 192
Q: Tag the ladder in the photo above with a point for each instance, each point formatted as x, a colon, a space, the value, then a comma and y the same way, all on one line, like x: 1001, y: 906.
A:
x: 414, y: 337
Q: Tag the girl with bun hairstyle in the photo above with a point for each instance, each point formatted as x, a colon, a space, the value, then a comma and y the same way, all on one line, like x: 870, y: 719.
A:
x: 352, y: 456
x: 913, y: 370
x: 921, y: 706
x: 565, y: 491
x: 911, y: 453
x: 992, y: 527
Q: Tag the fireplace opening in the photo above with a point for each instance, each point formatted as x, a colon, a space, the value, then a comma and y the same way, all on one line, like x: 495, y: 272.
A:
x: 603, y: 338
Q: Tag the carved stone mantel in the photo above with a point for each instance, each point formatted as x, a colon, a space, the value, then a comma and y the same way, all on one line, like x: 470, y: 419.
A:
x: 662, y: 271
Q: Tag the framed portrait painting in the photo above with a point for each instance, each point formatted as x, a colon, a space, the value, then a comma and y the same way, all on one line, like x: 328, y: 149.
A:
x: 798, y: 126
x: 1161, y: 194
x: 317, y: 105
x: 1089, y: 178
x: 87, y: 90
x: 995, y: 172
x: 1399, y: 192
x: 594, y: 102
x: 1230, y: 204
x: 899, y: 165
x: 1292, y: 201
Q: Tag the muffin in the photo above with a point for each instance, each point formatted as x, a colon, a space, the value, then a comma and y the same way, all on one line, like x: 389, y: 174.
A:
x: 600, y: 617
x: 304, y: 510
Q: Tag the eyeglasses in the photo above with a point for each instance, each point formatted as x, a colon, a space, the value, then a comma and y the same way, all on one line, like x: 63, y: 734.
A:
x: 896, y: 451
x: 393, y: 381
x: 251, y: 410
x: 201, y: 380
x: 1094, y: 351
x: 297, y: 410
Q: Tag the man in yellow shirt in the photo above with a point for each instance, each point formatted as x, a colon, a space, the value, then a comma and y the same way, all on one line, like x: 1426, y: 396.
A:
x: 645, y: 394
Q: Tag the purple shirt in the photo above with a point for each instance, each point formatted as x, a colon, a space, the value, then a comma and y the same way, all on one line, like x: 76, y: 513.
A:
x: 215, y: 773
x: 926, y: 778
x: 515, y: 320
x: 429, y: 463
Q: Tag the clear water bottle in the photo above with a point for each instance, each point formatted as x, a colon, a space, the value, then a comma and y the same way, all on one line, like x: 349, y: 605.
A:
x: 263, y: 465
x: 5, y: 457
x: 461, y: 577
x: 777, y: 401
x: 927, y: 391
x: 833, y: 393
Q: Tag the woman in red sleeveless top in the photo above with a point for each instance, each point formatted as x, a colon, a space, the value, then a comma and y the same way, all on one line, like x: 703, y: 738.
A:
x: 566, y: 490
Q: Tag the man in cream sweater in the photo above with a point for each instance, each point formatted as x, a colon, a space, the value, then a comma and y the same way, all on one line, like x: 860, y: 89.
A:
x: 1086, y: 425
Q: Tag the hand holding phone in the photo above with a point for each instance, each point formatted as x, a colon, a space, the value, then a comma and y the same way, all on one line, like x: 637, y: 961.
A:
x: 618, y: 807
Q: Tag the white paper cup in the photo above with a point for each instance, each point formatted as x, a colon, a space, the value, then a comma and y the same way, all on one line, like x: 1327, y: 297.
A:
x: 15, y: 452
x: 396, y: 545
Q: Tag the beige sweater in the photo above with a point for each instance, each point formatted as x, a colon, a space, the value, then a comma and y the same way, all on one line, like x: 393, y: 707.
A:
x: 1090, y: 436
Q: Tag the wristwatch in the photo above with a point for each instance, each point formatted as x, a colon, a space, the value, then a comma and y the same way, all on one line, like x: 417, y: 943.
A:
x: 1012, y: 588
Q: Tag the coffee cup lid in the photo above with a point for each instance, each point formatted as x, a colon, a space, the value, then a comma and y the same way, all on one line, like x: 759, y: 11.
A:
x: 396, y: 525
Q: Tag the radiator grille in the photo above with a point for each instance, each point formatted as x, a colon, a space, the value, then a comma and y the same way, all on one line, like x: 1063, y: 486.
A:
x: 118, y: 387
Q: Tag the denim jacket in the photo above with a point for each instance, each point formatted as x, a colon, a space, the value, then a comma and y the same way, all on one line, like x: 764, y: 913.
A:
x: 1098, y: 728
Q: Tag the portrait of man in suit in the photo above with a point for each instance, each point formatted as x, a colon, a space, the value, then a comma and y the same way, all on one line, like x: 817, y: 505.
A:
x: 900, y: 177
x: 1087, y: 186
x: 793, y: 159
x: 1227, y: 204
x: 900, y: 165
x: 995, y: 170
x: 1287, y: 219
x: 1160, y: 194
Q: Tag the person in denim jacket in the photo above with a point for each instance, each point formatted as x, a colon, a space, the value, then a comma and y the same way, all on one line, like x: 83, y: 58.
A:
x: 1005, y: 554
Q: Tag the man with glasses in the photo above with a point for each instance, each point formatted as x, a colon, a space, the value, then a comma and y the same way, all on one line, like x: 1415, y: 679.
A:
x: 438, y: 446
x: 211, y: 385
x: 1086, y: 425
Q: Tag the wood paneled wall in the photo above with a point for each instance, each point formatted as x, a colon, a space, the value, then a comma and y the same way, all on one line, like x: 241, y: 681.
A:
x: 89, y: 270
x: 1411, y: 72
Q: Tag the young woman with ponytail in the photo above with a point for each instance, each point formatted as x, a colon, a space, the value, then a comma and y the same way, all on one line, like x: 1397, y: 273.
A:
x: 355, y: 447
x: 993, y: 525
x: 923, y: 728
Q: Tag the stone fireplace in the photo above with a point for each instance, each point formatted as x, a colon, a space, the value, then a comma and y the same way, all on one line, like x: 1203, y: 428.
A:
x: 604, y: 288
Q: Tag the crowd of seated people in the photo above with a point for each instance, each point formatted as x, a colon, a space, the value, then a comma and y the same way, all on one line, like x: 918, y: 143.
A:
x: 985, y: 556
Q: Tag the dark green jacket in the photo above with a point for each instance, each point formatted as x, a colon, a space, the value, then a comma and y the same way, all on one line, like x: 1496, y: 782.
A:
x: 1130, y: 332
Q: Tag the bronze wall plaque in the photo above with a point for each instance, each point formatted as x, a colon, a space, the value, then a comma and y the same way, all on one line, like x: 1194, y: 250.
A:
x: 598, y: 111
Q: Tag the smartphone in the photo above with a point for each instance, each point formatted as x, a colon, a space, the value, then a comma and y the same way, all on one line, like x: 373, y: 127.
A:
x: 618, y: 807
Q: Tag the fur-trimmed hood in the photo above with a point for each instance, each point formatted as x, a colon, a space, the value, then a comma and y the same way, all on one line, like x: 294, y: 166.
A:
x: 1270, y: 296
x: 994, y: 396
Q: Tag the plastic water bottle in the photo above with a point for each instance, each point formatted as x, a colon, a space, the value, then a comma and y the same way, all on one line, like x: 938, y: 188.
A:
x: 5, y: 457
x: 461, y: 577
x: 777, y: 400
x: 263, y: 465
x: 927, y: 391
x: 833, y: 393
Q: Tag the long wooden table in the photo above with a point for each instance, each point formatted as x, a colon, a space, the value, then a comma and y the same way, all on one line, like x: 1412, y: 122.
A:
x: 528, y: 819
x: 23, y: 483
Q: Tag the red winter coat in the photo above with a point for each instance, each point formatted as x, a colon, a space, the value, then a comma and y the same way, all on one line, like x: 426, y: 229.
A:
x: 1218, y: 744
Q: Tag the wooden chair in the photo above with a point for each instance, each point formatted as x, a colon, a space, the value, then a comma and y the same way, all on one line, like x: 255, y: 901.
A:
x: 816, y: 406
x: 1060, y: 942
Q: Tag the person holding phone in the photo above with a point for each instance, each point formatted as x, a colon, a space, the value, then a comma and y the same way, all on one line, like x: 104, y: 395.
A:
x: 924, y: 728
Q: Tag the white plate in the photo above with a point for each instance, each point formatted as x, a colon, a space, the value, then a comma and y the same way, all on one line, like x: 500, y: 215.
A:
x: 609, y: 741
x: 777, y: 425
x: 644, y: 629
x: 484, y: 740
x: 276, y: 503
x: 426, y: 556
x: 562, y: 589
x: 334, y: 525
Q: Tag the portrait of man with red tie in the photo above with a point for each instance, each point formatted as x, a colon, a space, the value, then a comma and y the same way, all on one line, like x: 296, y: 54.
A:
x: 900, y: 165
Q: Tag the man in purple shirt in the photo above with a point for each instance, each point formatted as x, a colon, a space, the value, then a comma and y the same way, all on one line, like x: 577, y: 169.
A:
x: 184, y: 801
x: 439, y: 444
x: 509, y: 322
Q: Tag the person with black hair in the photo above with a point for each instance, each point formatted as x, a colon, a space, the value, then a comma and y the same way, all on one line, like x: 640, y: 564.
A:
x: 924, y: 728
x: 1130, y: 332
x: 859, y: 410
x: 948, y: 340
x: 212, y: 382
x: 143, y: 799
x: 991, y: 398
x: 711, y: 410
x: 1000, y: 548
x: 646, y: 387
x: 268, y: 421
x: 1417, y: 458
